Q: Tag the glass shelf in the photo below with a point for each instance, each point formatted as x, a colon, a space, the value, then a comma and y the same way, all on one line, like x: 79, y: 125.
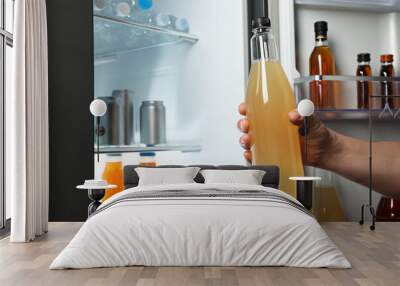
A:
x: 113, y: 35
x: 182, y: 147
x: 345, y: 78
x: 352, y: 114
x: 346, y: 94
x: 373, y: 5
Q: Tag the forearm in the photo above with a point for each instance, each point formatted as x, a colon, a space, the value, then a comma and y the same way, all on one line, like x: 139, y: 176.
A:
x: 349, y: 157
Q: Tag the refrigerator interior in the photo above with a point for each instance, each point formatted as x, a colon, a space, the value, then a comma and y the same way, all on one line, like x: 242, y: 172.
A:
x: 354, y: 27
x: 198, y: 82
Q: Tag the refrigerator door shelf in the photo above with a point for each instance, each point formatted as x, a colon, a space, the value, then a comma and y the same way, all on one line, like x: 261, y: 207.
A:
x: 374, y: 5
x: 344, y: 91
x: 114, y: 35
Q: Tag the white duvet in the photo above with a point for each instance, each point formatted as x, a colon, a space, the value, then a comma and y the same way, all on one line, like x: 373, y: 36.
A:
x: 202, y: 232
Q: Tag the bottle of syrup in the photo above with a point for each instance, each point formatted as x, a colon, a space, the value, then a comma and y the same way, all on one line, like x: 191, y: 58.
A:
x: 269, y: 99
x: 322, y: 62
x: 387, y: 70
x: 364, y: 88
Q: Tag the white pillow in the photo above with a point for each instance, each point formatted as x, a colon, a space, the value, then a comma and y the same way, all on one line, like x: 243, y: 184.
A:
x: 247, y: 177
x: 166, y: 176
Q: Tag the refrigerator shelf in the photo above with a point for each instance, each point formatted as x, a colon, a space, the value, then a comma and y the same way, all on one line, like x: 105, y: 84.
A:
x: 352, y: 115
x: 371, y: 5
x: 346, y: 97
x: 185, y: 148
x: 113, y: 35
x: 345, y: 78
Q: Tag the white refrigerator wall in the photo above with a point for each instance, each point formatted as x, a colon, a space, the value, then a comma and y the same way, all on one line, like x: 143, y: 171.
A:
x: 201, y: 85
x: 351, y: 32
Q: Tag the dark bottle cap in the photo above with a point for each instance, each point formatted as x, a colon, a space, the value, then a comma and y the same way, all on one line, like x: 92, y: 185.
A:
x: 364, y: 57
x: 321, y: 28
x: 147, y: 154
x: 386, y: 58
x: 261, y: 22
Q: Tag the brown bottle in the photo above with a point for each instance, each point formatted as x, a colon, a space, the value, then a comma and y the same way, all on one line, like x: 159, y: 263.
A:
x: 388, y: 209
x: 387, y: 70
x: 322, y: 62
x: 364, y: 88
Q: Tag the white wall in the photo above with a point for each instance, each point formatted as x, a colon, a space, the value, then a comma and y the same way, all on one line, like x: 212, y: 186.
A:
x: 201, y: 85
x: 351, y: 32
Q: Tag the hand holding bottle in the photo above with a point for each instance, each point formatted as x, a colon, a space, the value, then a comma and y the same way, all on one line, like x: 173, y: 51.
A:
x: 320, y: 139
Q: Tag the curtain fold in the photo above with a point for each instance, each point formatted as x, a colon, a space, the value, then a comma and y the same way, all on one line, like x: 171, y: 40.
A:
x: 28, y: 148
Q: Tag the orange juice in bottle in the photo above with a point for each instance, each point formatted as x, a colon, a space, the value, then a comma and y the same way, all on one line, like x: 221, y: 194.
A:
x: 114, y: 175
x: 269, y: 99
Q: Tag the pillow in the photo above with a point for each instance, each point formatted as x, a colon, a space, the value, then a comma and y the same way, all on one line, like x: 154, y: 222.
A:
x: 166, y: 176
x: 247, y: 177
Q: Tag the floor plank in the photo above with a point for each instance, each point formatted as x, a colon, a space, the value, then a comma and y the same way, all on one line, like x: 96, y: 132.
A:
x: 375, y: 257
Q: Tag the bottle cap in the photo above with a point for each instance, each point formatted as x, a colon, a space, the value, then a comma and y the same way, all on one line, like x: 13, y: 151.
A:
x: 123, y: 9
x: 364, y: 57
x: 386, y: 58
x: 182, y: 24
x: 321, y: 28
x: 145, y: 4
x: 147, y: 154
x: 261, y: 22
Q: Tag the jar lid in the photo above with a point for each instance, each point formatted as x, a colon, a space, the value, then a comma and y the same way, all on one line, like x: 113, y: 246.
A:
x: 147, y: 154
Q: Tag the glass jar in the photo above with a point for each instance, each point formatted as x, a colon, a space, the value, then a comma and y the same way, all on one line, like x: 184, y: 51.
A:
x: 147, y: 159
x: 113, y: 174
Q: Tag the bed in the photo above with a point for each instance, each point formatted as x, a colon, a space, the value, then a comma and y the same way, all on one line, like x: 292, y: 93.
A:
x: 198, y: 224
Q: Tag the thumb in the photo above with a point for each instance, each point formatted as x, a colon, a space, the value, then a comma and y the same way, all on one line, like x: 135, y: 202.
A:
x: 296, y: 118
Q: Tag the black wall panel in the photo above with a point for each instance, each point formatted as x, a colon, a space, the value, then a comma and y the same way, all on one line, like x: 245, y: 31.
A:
x: 70, y: 44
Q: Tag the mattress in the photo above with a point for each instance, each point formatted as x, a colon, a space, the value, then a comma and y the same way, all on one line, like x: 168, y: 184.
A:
x: 201, y: 225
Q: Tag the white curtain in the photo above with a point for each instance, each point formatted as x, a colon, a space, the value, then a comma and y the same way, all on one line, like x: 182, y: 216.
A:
x: 27, y: 121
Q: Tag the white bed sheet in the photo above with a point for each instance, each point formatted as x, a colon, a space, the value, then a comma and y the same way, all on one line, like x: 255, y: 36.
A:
x: 200, y: 232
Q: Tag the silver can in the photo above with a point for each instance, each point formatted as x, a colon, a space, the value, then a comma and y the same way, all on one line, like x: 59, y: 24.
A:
x: 122, y: 117
x: 152, y: 123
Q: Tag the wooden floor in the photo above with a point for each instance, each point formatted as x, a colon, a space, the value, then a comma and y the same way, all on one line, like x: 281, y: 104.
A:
x: 375, y: 257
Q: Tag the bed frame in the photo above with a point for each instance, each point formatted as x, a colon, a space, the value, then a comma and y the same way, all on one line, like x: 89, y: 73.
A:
x: 270, y: 179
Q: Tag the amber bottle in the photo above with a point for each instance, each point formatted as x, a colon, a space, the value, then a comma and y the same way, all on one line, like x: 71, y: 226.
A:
x: 387, y: 70
x: 388, y: 209
x: 364, y: 88
x: 322, y: 62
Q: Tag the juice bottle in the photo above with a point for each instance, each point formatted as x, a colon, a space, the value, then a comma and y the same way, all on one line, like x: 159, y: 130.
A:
x: 322, y: 62
x: 364, y: 88
x: 114, y: 175
x: 269, y: 99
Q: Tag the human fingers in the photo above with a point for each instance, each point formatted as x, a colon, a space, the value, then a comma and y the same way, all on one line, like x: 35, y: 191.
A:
x: 245, y: 141
x: 242, y: 109
x: 248, y: 156
x: 296, y: 118
x: 243, y: 125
